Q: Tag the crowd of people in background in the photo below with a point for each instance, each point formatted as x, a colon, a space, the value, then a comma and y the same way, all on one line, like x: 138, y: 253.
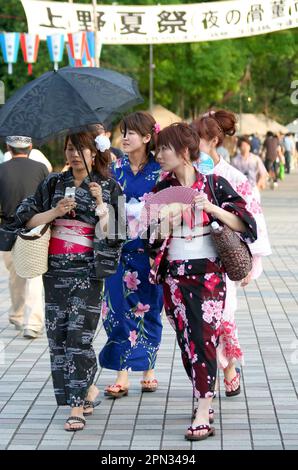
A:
x: 264, y: 161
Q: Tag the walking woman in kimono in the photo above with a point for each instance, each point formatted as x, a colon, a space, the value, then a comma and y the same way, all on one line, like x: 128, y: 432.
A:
x: 212, y: 127
x: 193, y: 277
x: 132, y: 306
x: 73, y: 286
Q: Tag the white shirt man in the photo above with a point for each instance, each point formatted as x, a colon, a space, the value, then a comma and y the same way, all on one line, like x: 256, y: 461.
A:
x: 23, y: 176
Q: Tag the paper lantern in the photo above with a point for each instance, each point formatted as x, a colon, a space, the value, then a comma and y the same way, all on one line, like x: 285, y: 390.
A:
x: 10, y: 43
x: 29, y: 45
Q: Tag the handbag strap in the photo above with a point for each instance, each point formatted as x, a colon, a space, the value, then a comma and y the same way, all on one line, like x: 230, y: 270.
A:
x: 211, y: 186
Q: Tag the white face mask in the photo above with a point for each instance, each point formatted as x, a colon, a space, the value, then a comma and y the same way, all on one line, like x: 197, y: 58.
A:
x: 204, y: 164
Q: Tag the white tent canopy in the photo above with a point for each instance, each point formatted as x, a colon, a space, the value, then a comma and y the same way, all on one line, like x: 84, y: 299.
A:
x: 293, y: 126
x: 258, y: 124
x: 163, y: 116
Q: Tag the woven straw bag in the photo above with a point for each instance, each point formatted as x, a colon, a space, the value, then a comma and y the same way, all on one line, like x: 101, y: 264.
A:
x: 233, y: 252
x: 30, y: 252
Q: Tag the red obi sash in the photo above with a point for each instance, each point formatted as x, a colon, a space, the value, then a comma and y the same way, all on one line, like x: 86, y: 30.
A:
x: 71, y: 236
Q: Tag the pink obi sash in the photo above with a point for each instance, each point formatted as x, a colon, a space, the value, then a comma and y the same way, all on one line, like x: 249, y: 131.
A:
x: 71, y: 236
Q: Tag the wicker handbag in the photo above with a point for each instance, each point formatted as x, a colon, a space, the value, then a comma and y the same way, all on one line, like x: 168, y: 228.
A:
x: 30, y: 252
x: 233, y: 252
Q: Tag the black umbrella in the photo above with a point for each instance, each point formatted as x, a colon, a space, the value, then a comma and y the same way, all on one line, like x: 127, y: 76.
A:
x: 66, y: 101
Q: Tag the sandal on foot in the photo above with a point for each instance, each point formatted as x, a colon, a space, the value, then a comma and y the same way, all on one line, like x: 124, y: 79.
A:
x: 211, y: 415
x: 74, y: 420
x: 149, y: 385
x: 90, y: 404
x: 232, y: 388
x: 201, y: 427
x: 122, y: 391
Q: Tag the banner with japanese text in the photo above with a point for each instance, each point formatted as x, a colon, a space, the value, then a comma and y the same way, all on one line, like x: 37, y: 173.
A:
x: 163, y: 23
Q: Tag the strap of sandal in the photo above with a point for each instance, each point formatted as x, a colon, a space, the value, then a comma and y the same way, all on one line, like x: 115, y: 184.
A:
x: 234, y: 383
x: 147, y: 382
x: 114, y: 386
x: 211, y: 410
x: 75, y: 419
x: 88, y: 404
x: 201, y: 427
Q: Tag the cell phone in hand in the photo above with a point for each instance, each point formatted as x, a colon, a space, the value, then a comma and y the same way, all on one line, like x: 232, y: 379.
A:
x: 70, y: 192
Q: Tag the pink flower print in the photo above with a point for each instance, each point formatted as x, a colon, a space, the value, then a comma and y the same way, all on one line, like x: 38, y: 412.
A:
x: 211, y: 309
x: 254, y: 207
x: 144, y: 197
x: 244, y: 189
x: 141, y: 309
x: 118, y: 163
x: 104, y: 310
x: 131, y: 279
x: 180, y: 322
x: 163, y: 175
x: 176, y: 297
x: 194, y: 359
x: 208, y: 317
x: 211, y: 282
x: 208, y: 276
x: 133, y: 338
x: 185, y: 335
x: 192, y: 348
x: 181, y: 270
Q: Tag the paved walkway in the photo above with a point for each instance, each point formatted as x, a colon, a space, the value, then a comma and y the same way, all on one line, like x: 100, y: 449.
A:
x: 264, y: 416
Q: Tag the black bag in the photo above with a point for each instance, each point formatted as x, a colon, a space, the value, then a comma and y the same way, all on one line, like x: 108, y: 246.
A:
x: 7, y: 238
x: 107, y: 257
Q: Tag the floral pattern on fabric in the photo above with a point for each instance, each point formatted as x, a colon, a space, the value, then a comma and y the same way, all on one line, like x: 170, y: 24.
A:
x: 229, y: 350
x: 132, y: 306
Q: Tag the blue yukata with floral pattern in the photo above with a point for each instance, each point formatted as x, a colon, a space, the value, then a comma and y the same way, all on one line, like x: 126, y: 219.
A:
x: 132, y: 306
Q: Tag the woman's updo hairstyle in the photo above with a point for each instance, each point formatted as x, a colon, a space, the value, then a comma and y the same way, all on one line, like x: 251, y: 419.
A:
x: 215, y: 124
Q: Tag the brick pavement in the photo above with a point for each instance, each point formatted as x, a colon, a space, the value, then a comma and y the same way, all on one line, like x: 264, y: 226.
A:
x: 264, y: 416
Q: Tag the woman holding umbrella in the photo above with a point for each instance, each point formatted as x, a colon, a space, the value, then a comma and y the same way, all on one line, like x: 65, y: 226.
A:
x: 132, y: 306
x: 73, y: 282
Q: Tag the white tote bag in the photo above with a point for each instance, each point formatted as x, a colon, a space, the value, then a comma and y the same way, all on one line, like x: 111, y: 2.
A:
x: 30, y: 252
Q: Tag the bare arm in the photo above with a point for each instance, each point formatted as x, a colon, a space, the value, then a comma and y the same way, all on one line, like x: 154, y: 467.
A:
x: 231, y: 220
x: 43, y: 218
x: 64, y: 206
